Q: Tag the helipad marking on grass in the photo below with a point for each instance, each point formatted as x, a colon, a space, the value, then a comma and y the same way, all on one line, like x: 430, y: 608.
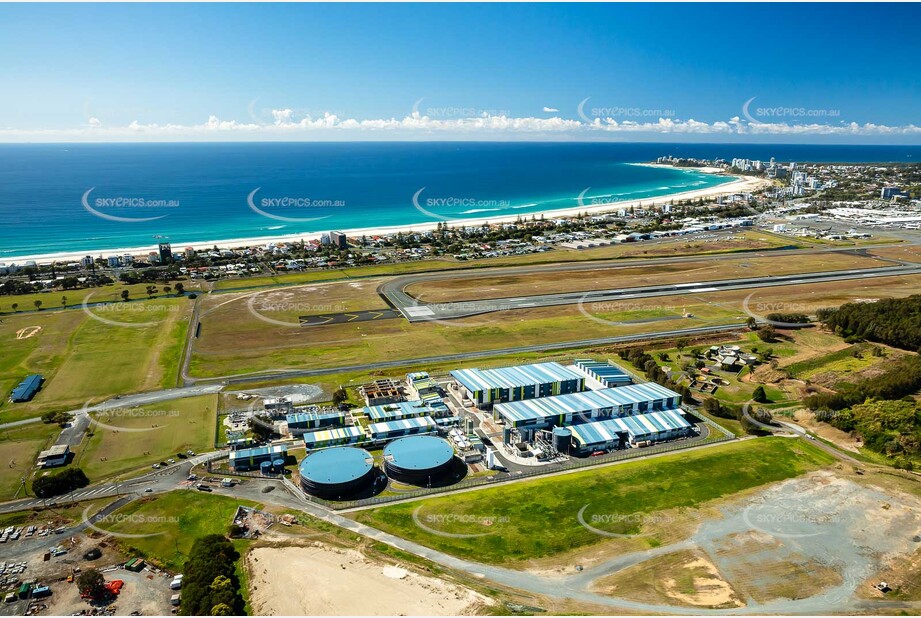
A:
x: 28, y: 331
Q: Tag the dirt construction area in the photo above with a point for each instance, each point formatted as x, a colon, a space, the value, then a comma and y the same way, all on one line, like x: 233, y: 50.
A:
x: 809, y: 545
x: 321, y: 580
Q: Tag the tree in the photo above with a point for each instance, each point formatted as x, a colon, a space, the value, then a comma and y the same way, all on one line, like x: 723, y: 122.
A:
x: 752, y: 323
x: 167, y: 289
x: 759, y: 395
x: 63, y: 301
x: 767, y: 334
x: 681, y: 344
x: 15, y: 306
x: 125, y: 294
x: 339, y: 396
x: 38, y: 305
x: 93, y: 584
x: 180, y: 289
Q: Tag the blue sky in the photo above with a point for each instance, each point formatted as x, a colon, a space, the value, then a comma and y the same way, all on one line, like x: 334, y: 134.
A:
x: 818, y: 72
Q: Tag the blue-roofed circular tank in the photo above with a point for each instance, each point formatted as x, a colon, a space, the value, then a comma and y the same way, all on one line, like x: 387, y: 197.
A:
x: 265, y: 467
x: 278, y: 465
x: 418, y: 459
x: 336, y: 472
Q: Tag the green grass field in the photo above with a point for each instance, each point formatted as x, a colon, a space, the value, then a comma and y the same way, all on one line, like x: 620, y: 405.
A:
x: 19, y: 446
x: 175, y: 520
x: 538, y: 518
x: 174, y: 426
x: 83, y: 358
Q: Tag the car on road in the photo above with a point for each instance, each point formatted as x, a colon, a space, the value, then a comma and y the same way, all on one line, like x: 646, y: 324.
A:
x: 172, y: 461
x: 201, y: 487
x: 192, y: 477
x: 155, y: 466
x: 148, y: 490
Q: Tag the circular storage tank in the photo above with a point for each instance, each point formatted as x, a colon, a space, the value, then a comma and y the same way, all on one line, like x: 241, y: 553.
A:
x: 418, y: 459
x: 562, y: 438
x: 265, y: 467
x: 278, y: 465
x: 336, y: 472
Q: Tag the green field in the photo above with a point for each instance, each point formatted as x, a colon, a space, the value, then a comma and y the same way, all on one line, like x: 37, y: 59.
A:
x: 538, y: 518
x: 175, y: 520
x: 175, y: 426
x: 56, y: 299
x: 841, y: 362
x: 19, y: 446
x: 83, y: 358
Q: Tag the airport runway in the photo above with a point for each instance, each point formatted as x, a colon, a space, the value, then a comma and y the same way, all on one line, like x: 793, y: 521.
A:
x: 415, y: 311
x: 345, y: 317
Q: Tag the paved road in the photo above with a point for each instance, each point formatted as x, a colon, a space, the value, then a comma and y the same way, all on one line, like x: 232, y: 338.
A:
x: 416, y: 311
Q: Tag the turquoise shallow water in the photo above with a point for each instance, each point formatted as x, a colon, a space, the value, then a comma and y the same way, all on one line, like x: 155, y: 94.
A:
x: 140, y: 194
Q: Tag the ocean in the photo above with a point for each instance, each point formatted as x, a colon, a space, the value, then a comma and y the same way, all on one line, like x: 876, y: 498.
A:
x: 64, y: 198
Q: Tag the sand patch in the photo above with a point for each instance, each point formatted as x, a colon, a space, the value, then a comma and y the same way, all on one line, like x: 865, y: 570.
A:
x: 321, y: 580
x: 28, y: 331
x: 685, y: 577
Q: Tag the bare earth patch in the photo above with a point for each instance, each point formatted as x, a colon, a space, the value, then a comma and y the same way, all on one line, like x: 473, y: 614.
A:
x: 321, y: 580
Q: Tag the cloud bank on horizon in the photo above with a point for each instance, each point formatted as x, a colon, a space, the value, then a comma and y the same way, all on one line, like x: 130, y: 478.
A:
x: 285, y: 125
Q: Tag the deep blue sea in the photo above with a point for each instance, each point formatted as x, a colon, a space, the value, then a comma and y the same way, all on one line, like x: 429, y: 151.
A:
x: 141, y: 194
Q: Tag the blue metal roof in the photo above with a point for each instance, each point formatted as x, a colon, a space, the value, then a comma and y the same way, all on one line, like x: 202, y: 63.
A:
x: 419, y: 452
x: 401, y: 409
x: 640, y: 425
x: 260, y: 451
x: 323, y: 437
x: 340, y: 464
x: 26, y: 388
x: 584, y: 402
x: 513, y: 377
x: 419, y: 422
x: 606, y: 373
x: 306, y: 417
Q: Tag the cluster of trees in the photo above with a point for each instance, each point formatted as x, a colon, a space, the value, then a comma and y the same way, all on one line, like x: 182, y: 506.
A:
x: 788, y: 318
x: 645, y: 362
x: 893, y: 321
x: 210, y: 586
x: 901, y: 378
x: 58, y: 483
x: 714, y: 407
x: 61, y: 418
x: 889, y: 427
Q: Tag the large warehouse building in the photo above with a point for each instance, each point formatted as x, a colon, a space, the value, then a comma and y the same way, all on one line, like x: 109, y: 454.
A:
x: 615, y: 432
x: 397, y: 411
x: 252, y: 458
x: 301, y: 422
x: 403, y: 427
x: 609, y: 375
x: 334, y: 437
x: 589, y: 405
x: 487, y: 387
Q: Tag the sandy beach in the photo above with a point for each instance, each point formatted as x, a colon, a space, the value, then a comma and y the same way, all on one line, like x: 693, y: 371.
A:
x: 740, y: 185
x: 325, y: 581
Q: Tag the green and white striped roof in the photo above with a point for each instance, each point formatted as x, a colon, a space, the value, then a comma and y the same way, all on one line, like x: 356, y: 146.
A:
x: 514, y: 377
x: 584, y: 402
x: 653, y: 423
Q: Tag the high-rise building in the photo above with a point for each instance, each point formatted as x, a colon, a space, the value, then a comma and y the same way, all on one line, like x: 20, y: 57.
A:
x: 166, y: 253
x: 338, y: 239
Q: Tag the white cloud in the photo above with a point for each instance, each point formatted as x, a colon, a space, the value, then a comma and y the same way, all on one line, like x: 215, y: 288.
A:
x: 286, y: 125
x: 550, y: 110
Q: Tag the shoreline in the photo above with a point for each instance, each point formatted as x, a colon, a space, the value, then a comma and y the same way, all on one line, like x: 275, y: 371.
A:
x: 738, y: 185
